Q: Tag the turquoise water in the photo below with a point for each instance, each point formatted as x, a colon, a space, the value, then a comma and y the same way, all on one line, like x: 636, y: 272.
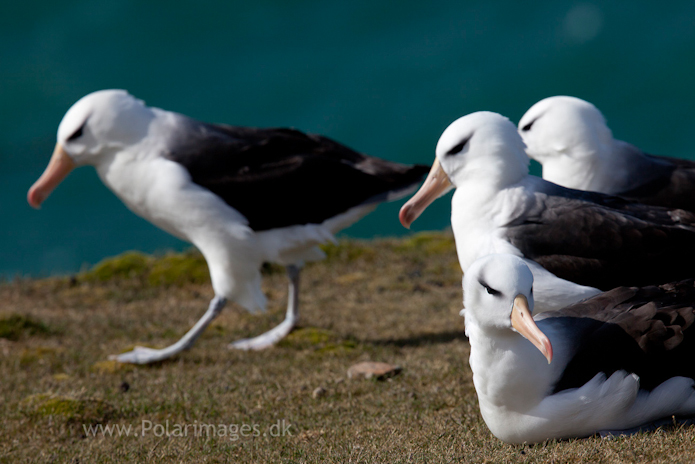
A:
x: 383, y: 77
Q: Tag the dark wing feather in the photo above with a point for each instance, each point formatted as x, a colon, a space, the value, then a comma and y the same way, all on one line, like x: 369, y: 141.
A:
x: 673, y: 187
x: 648, y: 331
x: 283, y: 177
x: 680, y: 162
x: 604, y: 241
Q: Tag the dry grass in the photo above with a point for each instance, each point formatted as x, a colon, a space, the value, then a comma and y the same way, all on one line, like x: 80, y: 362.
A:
x: 388, y: 300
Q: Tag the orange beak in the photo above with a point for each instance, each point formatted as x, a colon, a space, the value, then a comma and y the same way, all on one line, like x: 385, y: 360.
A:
x: 526, y: 326
x: 436, y: 184
x: 60, y: 166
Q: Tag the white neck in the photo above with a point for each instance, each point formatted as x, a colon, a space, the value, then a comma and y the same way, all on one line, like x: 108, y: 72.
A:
x: 604, y: 168
x: 478, y: 212
x: 501, y: 361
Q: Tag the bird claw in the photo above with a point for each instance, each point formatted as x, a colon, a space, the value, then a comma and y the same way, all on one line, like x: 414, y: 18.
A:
x: 253, y: 344
x: 265, y: 340
x: 140, y: 355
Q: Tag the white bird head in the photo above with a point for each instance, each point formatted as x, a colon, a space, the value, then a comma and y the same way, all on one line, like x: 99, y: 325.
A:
x: 97, y: 125
x: 498, y: 295
x: 564, y: 126
x: 481, y: 146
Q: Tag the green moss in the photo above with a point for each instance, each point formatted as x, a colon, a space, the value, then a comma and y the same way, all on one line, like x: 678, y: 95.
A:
x: 321, y: 341
x: 171, y: 269
x: 39, y: 354
x: 348, y: 251
x: 125, y: 266
x: 179, y: 269
x: 343, y: 346
x: 310, y: 336
x: 70, y: 409
x: 110, y: 367
x: 428, y: 242
x: 15, y: 326
x: 65, y: 407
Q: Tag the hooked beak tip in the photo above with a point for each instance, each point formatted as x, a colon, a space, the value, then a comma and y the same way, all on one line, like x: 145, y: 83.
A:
x: 522, y: 321
x: 34, y: 198
x: 58, y: 167
x: 548, y: 350
x: 435, y: 185
x: 403, y: 216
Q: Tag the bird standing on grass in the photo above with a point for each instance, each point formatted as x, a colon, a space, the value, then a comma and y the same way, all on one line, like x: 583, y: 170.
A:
x: 570, y: 138
x: 243, y: 196
x: 576, y: 243
x: 618, y: 362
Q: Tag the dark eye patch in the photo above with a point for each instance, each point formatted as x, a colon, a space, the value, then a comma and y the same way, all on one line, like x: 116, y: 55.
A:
x: 489, y: 289
x: 527, y: 127
x: 77, y: 133
x: 458, y: 148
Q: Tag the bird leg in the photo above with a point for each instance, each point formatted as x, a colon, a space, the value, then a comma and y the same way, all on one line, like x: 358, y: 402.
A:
x: 144, y: 355
x: 273, y: 336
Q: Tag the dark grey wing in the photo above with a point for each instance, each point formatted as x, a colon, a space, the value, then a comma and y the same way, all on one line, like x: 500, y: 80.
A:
x: 680, y: 162
x: 671, y: 183
x: 604, y: 241
x: 647, y: 331
x: 281, y: 177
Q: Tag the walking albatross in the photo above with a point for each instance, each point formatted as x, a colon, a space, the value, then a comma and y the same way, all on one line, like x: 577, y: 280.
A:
x: 575, y: 242
x: 617, y: 361
x: 570, y: 138
x: 243, y: 196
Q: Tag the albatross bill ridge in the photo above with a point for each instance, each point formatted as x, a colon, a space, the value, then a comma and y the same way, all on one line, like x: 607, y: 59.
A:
x: 243, y: 196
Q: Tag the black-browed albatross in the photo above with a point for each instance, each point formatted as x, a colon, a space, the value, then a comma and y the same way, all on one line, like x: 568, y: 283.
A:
x: 570, y: 138
x: 243, y: 196
x: 615, y: 362
x: 576, y: 243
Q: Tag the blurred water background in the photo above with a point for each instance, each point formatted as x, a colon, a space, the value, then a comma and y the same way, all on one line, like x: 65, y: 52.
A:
x: 382, y: 77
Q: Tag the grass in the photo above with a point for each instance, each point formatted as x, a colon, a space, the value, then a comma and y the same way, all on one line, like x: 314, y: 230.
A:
x: 16, y: 326
x: 387, y: 300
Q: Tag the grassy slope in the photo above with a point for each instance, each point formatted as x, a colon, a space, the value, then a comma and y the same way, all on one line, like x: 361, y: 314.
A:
x: 387, y: 300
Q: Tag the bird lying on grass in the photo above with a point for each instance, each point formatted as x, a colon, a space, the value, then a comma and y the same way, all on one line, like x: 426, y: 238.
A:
x: 617, y: 362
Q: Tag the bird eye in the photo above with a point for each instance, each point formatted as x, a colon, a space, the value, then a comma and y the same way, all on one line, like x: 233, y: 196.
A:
x: 490, y: 290
x: 77, y: 133
x: 458, y: 148
x: 527, y: 127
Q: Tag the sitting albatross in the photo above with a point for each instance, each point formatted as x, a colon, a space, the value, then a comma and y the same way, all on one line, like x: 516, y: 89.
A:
x: 617, y: 361
x: 570, y: 138
x: 242, y: 196
x: 575, y: 242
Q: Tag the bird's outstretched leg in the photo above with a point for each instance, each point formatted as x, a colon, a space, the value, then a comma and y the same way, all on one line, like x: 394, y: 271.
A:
x: 143, y: 355
x: 276, y: 334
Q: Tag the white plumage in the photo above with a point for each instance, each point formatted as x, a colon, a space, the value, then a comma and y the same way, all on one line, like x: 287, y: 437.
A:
x: 516, y: 381
x: 574, y: 242
x: 243, y: 196
x: 572, y: 141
